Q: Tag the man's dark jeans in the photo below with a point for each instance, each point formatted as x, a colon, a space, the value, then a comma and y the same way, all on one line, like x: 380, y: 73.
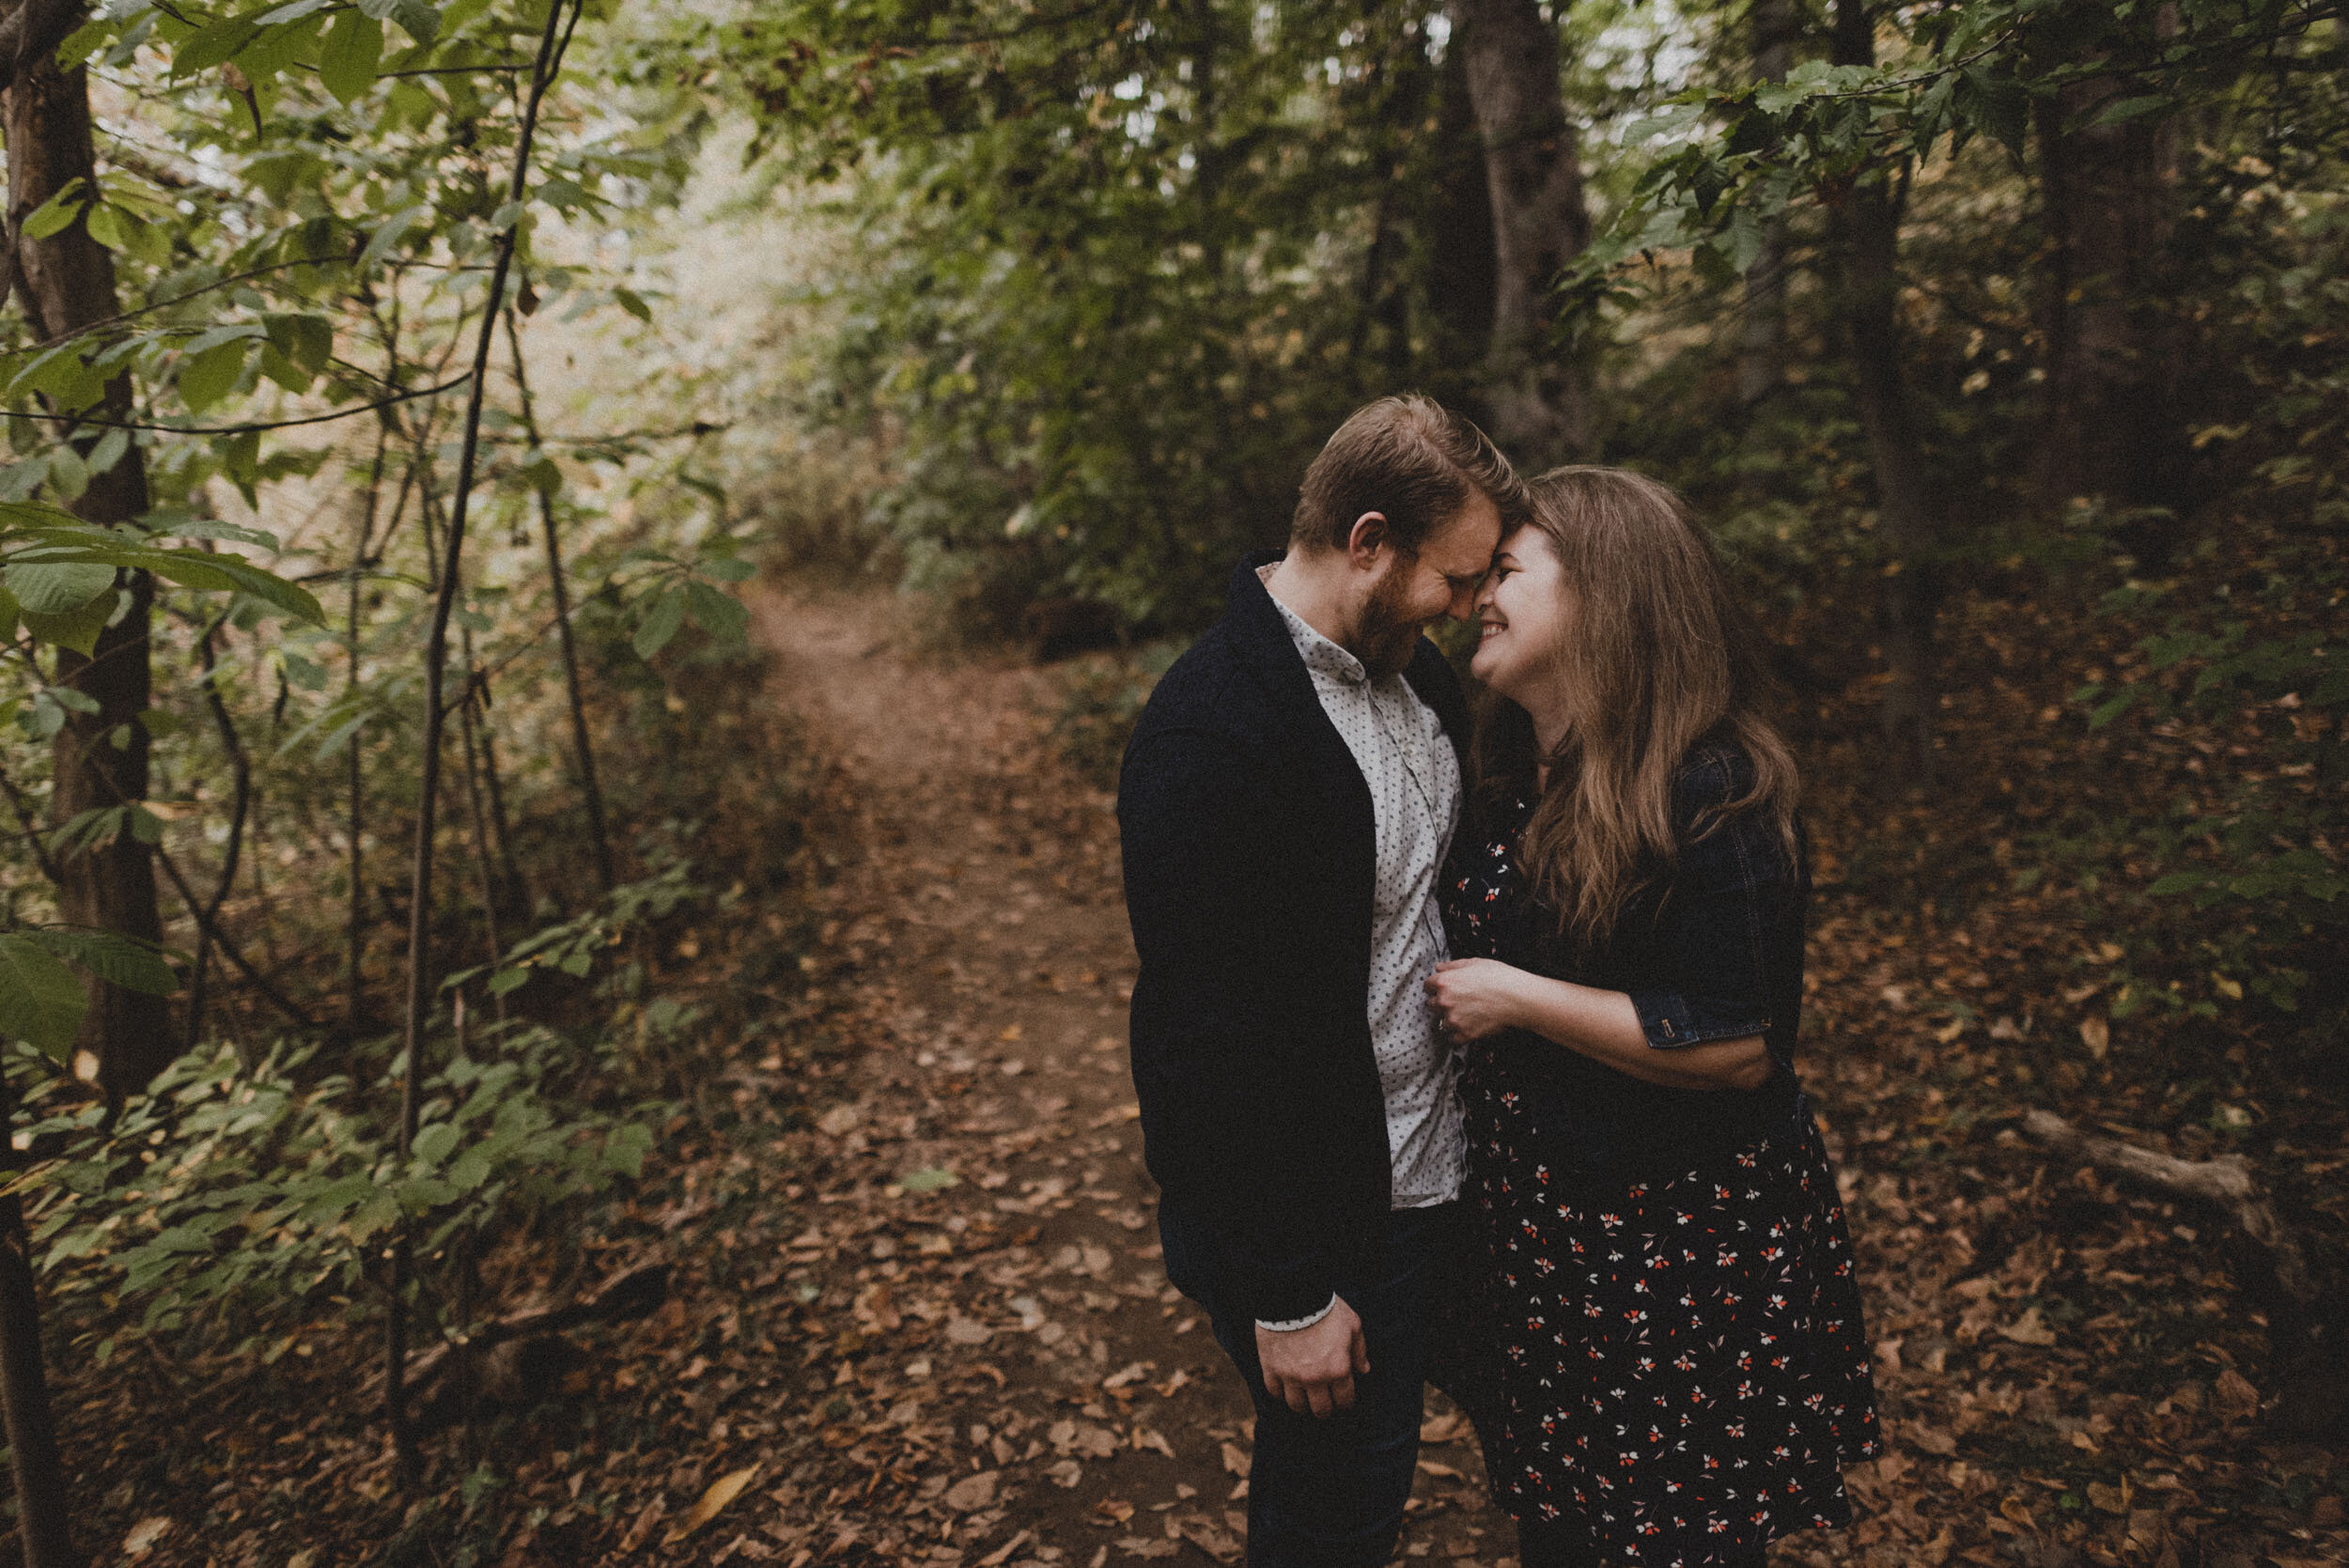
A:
x: 1327, y: 1491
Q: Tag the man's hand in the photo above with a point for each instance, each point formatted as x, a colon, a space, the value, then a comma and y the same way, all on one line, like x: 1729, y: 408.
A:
x: 1314, y: 1369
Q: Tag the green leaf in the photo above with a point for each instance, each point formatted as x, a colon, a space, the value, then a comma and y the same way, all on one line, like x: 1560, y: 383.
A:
x: 212, y: 45
x: 625, y: 1149
x: 661, y: 623
x: 352, y: 52
x: 42, y: 1001
x: 194, y: 568
x: 633, y: 303
x: 77, y: 629
x: 54, y: 214
x: 2179, y: 881
x: 436, y: 1143
x: 934, y: 1179
x: 719, y: 615
x: 47, y: 588
x: 395, y: 229
x: 134, y: 964
x: 207, y: 378
x: 308, y: 341
x: 105, y: 226
x: 419, y: 21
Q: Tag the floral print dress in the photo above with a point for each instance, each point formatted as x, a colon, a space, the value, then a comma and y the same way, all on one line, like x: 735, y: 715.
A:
x: 1676, y: 1362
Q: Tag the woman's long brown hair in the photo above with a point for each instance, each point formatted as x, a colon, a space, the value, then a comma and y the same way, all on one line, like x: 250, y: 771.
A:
x: 1655, y: 657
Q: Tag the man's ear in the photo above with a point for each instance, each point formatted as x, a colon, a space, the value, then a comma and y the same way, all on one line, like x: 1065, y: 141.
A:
x: 1366, y: 538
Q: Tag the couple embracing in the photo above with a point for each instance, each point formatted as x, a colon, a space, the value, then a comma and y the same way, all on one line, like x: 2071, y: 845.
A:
x: 1466, y: 1050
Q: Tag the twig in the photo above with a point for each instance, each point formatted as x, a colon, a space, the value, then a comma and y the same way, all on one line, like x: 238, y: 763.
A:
x: 552, y: 43
x: 77, y: 421
x: 240, y: 768
x: 2226, y: 1184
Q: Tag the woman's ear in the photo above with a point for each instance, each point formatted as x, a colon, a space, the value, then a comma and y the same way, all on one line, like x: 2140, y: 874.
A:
x: 1366, y: 538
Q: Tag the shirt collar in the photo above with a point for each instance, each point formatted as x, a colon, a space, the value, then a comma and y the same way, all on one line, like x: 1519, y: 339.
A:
x: 1322, y: 657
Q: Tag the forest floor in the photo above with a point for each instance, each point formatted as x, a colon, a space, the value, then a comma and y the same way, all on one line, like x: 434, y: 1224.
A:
x: 918, y: 1317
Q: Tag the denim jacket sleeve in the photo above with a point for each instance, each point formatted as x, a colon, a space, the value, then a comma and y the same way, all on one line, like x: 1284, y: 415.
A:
x: 1722, y: 931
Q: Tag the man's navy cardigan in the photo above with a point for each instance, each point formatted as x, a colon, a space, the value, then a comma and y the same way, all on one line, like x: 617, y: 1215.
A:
x: 1249, y: 851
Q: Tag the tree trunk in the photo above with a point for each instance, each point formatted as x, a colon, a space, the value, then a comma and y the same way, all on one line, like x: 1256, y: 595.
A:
x: 1462, y: 264
x: 1534, y: 170
x: 2109, y: 194
x: 1762, y: 333
x: 42, y: 1517
x: 1865, y: 227
x: 65, y: 282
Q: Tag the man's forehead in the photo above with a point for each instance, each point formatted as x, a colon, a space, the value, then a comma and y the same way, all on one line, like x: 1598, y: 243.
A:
x: 1465, y: 544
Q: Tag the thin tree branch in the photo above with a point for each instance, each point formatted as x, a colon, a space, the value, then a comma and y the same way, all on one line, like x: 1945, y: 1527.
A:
x: 240, y: 768
x: 78, y: 421
x: 552, y: 44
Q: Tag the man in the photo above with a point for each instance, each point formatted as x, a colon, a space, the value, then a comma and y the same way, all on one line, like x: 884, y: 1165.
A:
x: 1285, y: 803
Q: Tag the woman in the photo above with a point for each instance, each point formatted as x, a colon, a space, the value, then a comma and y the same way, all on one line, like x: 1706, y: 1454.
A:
x: 1681, y: 1374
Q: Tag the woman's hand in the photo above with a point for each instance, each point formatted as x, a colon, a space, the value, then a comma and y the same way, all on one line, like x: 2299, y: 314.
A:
x: 1476, y: 998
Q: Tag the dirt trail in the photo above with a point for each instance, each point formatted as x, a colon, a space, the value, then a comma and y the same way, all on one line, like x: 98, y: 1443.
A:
x: 1005, y: 1375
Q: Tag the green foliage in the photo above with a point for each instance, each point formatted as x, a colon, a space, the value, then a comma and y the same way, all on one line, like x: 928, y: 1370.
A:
x: 1102, y: 697
x: 258, y: 1200
x: 1117, y: 283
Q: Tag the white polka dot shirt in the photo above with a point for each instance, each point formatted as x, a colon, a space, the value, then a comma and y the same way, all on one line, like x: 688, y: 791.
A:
x: 1415, y: 780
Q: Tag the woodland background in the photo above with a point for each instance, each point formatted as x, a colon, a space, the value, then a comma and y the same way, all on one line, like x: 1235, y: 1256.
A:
x: 421, y: 897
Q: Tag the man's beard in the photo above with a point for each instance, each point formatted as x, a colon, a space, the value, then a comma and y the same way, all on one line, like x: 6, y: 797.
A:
x: 1385, y: 638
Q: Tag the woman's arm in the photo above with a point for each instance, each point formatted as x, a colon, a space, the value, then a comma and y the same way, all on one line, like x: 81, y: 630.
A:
x: 1481, y: 997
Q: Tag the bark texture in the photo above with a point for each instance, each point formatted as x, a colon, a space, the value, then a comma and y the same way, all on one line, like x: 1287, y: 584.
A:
x: 35, y: 1466
x: 1533, y: 173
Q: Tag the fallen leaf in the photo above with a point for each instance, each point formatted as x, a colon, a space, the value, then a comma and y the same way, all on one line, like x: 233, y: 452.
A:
x: 642, y: 1527
x: 2028, y: 1329
x: 1135, y: 1545
x: 1235, y: 1460
x: 2234, y: 1396
x: 1114, y: 1511
x: 972, y: 1492
x: 1441, y: 1471
x: 934, y: 1179
x: 1216, y: 1543
x: 840, y: 1121
x: 1441, y: 1429
x: 2096, y: 1034
x: 145, y: 1533
x: 1065, y: 1473
x: 1132, y: 1371
x: 722, y: 1491
x: 995, y: 1557
x: 966, y: 1330
x: 1931, y: 1439
x: 2112, y: 1500
x: 1145, y: 1437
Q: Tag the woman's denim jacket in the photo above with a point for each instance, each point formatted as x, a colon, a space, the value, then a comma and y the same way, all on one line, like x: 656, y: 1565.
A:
x: 1711, y: 950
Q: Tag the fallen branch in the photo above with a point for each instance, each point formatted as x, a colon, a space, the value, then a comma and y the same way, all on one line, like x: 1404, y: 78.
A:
x: 521, y: 1358
x: 2225, y: 1184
